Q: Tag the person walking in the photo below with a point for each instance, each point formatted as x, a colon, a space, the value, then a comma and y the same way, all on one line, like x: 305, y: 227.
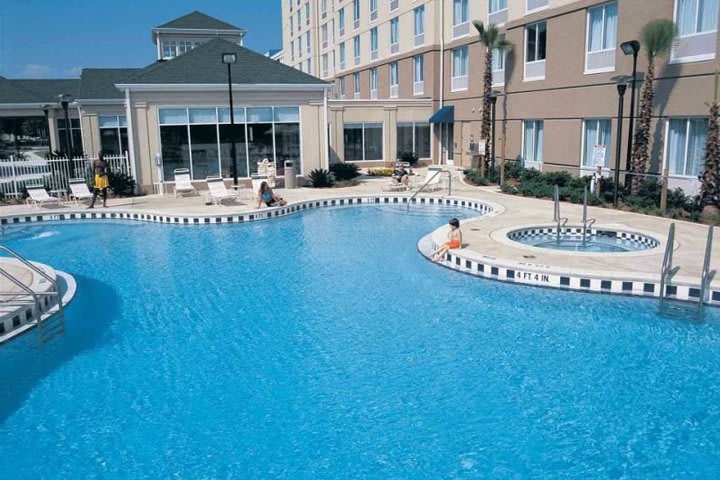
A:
x: 101, y: 181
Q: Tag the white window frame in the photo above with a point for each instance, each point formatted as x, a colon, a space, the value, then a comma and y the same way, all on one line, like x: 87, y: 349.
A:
x: 534, y: 62
x: 587, y: 37
x: 373, y: 13
x: 356, y: 14
x: 394, y: 72
x: 499, y: 54
x: 534, y: 163
x: 325, y: 70
x: 324, y: 35
x: 591, y: 168
x: 459, y: 83
x: 419, y: 33
x: 307, y: 14
x: 357, y: 50
x: 374, y: 36
x: 685, y: 150
x: 343, y: 55
x: 415, y: 126
x: 341, y: 22
x: 373, y: 83
x: 394, y: 5
x: 418, y: 85
x: 342, y: 87
x: 692, y: 58
x: 462, y: 29
x: 117, y: 128
x: 323, y: 9
x: 356, y: 85
x: 534, y: 10
x: 382, y: 128
x: 394, y: 46
x: 308, y: 43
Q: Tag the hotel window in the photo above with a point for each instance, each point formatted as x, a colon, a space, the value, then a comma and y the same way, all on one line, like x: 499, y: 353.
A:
x: 418, y: 75
x: 356, y: 85
x: 363, y: 141
x: 697, y: 22
x: 419, y: 17
x: 307, y: 43
x: 459, y: 69
x: 498, y: 67
x: 373, y: 83
x: 75, y: 133
x: 356, y: 14
x: 394, y: 35
x: 685, y: 151
x: 307, y: 14
x: 356, y: 49
x: 172, y: 48
x: 535, y: 42
x: 341, y: 21
x: 292, y: 50
x: 342, y: 56
x: 324, y: 35
x: 413, y: 137
x: 332, y: 29
x: 596, y: 132
x: 292, y: 30
x: 601, y: 38
x: 299, y: 18
x: 325, y: 65
x: 323, y: 9
x: 309, y: 66
x: 394, y: 4
x: 533, y: 143
x: 461, y: 25
x: 342, y: 87
x: 373, y: 10
x: 497, y: 12
x: 113, y: 134
x: 394, y: 80
x: 300, y: 49
x: 535, y: 5
x: 373, y: 43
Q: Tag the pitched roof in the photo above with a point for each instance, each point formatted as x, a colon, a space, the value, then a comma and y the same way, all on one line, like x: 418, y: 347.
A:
x: 99, y: 83
x: 203, y: 65
x: 36, y: 91
x: 198, y: 21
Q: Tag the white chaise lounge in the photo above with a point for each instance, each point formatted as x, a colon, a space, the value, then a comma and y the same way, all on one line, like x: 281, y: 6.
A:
x: 38, y: 196
x: 79, y: 190
x: 182, y: 182
x: 217, y: 192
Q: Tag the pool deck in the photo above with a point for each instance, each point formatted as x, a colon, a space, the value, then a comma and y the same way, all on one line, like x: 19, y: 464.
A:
x: 485, y: 238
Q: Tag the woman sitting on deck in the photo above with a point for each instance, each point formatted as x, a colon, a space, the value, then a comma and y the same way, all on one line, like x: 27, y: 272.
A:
x: 266, y: 195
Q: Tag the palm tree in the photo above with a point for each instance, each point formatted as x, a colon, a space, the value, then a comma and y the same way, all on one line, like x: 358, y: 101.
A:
x: 657, y: 37
x: 492, y: 40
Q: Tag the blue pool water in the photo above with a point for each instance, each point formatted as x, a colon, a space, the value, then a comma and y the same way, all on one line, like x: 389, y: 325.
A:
x: 591, y: 244
x: 322, y: 345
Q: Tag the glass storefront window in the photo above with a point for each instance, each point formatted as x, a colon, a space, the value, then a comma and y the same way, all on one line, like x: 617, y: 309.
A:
x: 287, y: 114
x: 75, y: 133
x: 414, y: 137
x: 363, y: 141
x: 228, y: 133
x: 203, y: 141
x: 238, y: 114
x: 203, y: 115
x: 260, y: 143
x: 175, y: 149
x: 259, y: 115
x: 113, y: 134
x: 24, y: 136
x: 287, y: 144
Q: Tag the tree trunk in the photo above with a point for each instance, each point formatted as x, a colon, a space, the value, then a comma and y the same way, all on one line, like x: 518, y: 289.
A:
x: 487, y: 89
x: 641, y: 144
x: 710, y: 187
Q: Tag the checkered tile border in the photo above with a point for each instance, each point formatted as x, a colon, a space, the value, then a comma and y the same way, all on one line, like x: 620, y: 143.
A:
x: 627, y: 237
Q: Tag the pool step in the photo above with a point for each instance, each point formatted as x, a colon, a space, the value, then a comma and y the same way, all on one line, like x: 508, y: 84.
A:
x: 681, y: 310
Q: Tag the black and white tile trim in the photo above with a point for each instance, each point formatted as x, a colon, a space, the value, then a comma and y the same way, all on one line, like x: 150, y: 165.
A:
x: 251, y: 216
x: 630, y: 238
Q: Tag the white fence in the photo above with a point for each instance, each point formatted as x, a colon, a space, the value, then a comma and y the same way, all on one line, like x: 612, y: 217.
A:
x: 54, y: 173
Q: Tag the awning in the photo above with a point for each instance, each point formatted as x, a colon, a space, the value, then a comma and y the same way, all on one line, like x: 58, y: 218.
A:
x: 444, y: 115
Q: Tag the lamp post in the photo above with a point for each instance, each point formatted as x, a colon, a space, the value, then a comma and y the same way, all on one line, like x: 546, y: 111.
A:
x: 46, y: 110
x: 229, y: 59
x: 65, y: 100
x: 493, y: 100
x: 621, y: 87
x: 628, y: 48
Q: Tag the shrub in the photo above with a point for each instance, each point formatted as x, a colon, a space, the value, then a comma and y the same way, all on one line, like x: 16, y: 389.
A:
x: 507, y: 188
x: 345, y: 171
x: 121, y: 184
x: 409, y: 157
x: 321, y: 178
x: 474, y: 177
x: 381, y: 171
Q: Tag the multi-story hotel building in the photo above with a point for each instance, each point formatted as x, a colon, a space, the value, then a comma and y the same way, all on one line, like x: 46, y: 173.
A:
x: 408, y: 75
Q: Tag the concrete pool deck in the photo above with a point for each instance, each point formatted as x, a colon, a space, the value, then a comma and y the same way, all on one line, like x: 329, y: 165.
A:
x: 485, y: 238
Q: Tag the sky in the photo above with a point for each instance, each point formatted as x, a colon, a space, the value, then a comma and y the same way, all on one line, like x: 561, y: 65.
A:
x: 57, y: 38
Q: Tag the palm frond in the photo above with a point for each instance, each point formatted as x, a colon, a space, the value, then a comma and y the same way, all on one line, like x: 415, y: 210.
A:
x: 502, y: 44
x: 480, y: 27
x: 657, y: 37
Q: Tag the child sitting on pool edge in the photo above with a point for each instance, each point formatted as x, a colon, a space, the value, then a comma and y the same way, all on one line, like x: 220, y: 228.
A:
x: 454, y: 240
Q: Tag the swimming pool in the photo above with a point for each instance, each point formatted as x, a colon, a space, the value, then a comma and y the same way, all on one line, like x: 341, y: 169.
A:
x: 323, y: 345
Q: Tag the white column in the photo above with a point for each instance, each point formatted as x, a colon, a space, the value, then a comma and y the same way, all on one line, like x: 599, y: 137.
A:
x: 131, y: 136
x: 325, y: 128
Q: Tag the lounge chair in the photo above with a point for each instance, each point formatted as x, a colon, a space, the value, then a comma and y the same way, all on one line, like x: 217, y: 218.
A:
x: 395, y: 186
x: 432, y: 180
x: 38, y: 196
x: 79, y: 190
x: 182, y: 182
x: 217, y: 192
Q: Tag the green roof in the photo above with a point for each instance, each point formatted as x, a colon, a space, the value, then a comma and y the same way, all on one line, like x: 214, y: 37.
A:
x: 36, y: 91
x: 203, y: 65
x: 198, y: 21
x: 99, y: 83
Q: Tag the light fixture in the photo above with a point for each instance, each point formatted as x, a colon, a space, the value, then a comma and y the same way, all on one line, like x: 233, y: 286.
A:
x: 631, y: 47
x: 229, y: 58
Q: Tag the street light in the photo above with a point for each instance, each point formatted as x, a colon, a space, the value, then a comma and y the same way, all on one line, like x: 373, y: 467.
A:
x: 621, y: 87
x: 65, y: 99
x: 492, y: 97
x: 631, y: 47
x: 46, y: 110
x: 229, y: 59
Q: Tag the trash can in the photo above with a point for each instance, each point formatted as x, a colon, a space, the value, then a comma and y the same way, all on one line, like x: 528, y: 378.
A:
x: 290, y: 179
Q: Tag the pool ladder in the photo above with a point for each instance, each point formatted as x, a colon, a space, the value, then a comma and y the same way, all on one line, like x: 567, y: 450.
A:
x: 561, y: 221
x: 430, y: 181
x: 53, y: 325
x: 667, y: 272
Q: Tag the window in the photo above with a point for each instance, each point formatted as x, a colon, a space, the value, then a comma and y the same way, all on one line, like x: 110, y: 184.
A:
x: 323, y: 9
x: 173, y: 48
x: 596, y: 132
x: 685, y: 151
x: 307, y: 15
x: 461, y: 26
x: 363, y: 141
x: 418, y: 75
x: 309, y: 66
x: 356, y: 14
x: 356, y: 85
x: 307, y: 43
x: 497, y: 12
x: 394, y: 4
x: 341, y: 21
x: 291, y: 26
x: 300, y: 49
x: 325, y: 65
x: 419, y: 16
x: 533, y: 143
x: 373, y: 43
x: 356, y: 49
x: 292, y: 50
x: 697, y: 30
x: 113, y: 134
x: 535, y: 40
x: 394, y: 81
x: 342, y: 56
x: 535, y: 5
x: 342, y: 87
x: 324, y: 35
x: 373, y: 10
x: 601, y: 38
x: 394, y: 35
x: 299, y: 17
x: 373, y: 83
x: 498, y: 67
x: 76, y: 145
x: 459, y: 69
x: 413, y: 137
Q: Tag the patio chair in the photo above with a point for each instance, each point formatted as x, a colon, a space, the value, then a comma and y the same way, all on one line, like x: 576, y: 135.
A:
x: 182, y: 182
x: 217, y: 192
x: 394, y: 186
x: 79, y: 190
x: 432, y: 180
x: 38, y: 196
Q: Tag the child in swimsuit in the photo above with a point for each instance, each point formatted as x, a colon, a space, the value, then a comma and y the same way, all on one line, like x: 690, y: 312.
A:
x: 454, y: 240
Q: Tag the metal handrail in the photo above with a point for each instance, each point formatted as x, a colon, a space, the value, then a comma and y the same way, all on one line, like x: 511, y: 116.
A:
x: 667, y: 271
x: 39, y: 271
x: 22, y: 286
x: 419, y: 190
x: 556, y: 209
x: 585, y: 221
x: 707, y: 274
x: 561, y: 223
